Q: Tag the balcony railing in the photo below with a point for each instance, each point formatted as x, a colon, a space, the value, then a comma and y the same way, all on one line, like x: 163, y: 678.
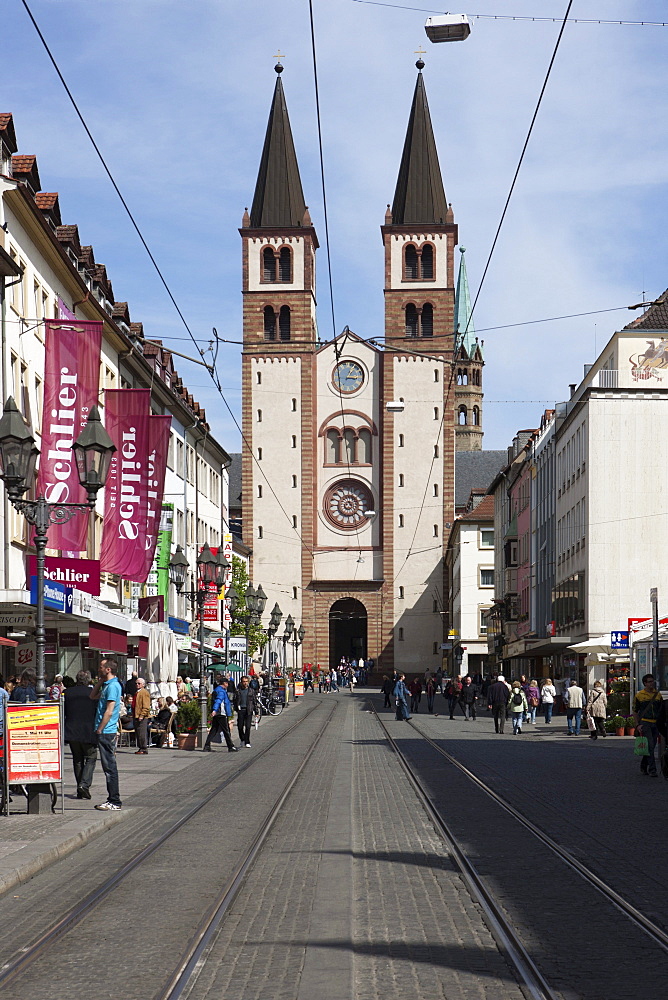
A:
x: 605, y: 378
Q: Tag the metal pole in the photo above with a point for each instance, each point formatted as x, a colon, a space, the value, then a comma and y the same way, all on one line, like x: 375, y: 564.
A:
x: 654, y: 598
x: 41, y: 523
x: 203, y: 700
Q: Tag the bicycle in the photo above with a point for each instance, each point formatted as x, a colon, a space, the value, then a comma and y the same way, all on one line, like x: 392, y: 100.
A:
x: 268, y: 704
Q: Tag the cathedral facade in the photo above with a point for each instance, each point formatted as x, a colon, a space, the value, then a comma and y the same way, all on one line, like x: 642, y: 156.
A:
x: 348, y: 450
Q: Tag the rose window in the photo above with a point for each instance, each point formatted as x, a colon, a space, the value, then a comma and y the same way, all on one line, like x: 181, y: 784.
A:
x: 346, y: 504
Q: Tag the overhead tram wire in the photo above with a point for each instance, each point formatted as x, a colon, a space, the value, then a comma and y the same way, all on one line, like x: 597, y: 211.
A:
x: 212, y: 370
x: 463, y: 333
x: 519, y: 17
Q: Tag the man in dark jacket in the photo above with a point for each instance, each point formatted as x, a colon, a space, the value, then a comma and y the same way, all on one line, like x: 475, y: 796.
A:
x: 468, y: 698
x: 497, y: 700
x: 453, y: 691
x: 220, y: 712
x: 245, y: 703
x: 80, y: 732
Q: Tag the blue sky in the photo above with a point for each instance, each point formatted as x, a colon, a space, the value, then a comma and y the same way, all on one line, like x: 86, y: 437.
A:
x: 177, y: 95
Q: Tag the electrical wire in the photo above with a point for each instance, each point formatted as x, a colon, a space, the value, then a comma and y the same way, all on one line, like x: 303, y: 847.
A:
x: 213, y: 371
x: 519, y: 17
x: 463, y: 333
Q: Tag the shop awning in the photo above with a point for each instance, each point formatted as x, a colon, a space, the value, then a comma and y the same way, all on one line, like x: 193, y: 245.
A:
x: 8, y: 642
x: 107, y: 639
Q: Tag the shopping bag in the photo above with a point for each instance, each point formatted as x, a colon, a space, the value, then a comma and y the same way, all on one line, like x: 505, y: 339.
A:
x: 591, y: 725
x: 641, y: 746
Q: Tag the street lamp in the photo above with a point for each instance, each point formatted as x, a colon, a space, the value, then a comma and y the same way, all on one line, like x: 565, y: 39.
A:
x: 210, y: 574
x: 289, y: 628
x: 297, y: 641
x: 93, y: 451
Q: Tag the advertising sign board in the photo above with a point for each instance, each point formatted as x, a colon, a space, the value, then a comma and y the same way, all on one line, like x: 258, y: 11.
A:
x: 237, y: 644
x: 56, y: 596
x: 81, y: 573
x: 34, y: 743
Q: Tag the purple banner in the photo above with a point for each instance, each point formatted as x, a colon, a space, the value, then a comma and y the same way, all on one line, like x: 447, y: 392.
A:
x: 71, y: 375
x: 127, y: 420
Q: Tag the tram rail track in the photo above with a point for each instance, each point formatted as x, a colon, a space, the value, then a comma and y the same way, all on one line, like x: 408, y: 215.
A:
x: 657, y: 935
x: 505, y: 935
x: 12, y: 970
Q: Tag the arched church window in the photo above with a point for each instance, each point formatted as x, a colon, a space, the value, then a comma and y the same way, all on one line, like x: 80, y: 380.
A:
x: 476, y: 416
x: 284, y: 323
x: 410, y: 262
x: 269, y: 323
x: 465, y: 377
x: 285, y: 264
x: 411, y: 320
x: 462, y: 416
x: 427, y: 262
x: 427, y: 320
x: 332, y: 448
x: 349, y: 442
x: 268, y: 264
x: 364, y: 447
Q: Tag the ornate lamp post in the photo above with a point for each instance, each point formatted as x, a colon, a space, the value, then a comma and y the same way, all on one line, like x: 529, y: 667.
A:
x: 210, y: 573
x: 93, y: 451
x: 297, y: 641
x: 289, y: 629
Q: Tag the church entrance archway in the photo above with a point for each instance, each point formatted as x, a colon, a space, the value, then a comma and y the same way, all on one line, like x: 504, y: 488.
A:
x: 347, y: 630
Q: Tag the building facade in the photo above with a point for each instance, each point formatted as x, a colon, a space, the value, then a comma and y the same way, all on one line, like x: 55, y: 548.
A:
x: 346, y: 501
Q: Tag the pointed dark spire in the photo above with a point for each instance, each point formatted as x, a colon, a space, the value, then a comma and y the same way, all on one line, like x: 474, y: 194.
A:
x: 419, y: 198
x: 278, y: 202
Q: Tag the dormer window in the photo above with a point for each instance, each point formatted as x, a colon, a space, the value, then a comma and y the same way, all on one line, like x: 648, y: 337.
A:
x: 419, y: 262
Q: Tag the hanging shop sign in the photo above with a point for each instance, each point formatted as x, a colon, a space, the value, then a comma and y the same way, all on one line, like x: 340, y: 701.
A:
x: 237, y: 644
x: 158, y: 444
x: 34, y: 743
x: 164, y: 550
x: 639, y: 624
x: 56, y: 596
x: 17, y: 620
x: 84, y: 574
x: 71, y: 376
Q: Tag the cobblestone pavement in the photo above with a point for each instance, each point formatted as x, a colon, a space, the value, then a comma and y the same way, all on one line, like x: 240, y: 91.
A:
x: 354, y: 896
x: 585, y: 947
x: 156, y: 907
x: 587, y: 794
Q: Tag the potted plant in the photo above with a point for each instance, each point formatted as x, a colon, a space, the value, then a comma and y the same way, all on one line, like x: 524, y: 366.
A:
x: 630, y: 727
x: 187, y: 725
x: 609, y: 726
x: 619, y: 724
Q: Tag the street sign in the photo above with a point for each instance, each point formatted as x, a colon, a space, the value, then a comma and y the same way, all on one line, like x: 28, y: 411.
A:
x: 619, y: 640
x: 653, y: 595
x: 57, y: 597
x: 237, y: 644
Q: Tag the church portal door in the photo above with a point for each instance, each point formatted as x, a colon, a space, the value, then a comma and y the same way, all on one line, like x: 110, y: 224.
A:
x: 347, y: 630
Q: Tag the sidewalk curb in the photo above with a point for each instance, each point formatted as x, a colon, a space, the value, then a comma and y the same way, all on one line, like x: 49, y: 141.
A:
x: 41, y: 858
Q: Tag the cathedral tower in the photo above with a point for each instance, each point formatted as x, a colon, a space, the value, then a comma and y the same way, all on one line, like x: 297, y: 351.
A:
x: 469, y: 363
x: 419, y: 236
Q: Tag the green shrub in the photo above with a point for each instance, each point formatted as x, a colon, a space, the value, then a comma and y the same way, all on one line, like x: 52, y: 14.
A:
x: 188, y: 717
x: 619, y: 722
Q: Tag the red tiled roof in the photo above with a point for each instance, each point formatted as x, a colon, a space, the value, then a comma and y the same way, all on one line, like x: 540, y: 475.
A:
x: 22, y: 164
x: 121, y: 311
x: 46, y: 200
x: 483, y: 512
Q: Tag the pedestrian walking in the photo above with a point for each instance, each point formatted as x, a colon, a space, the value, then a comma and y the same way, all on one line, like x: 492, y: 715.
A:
x: 308, y: 679
x: 431, y: 694
x: 386, y: 691
x: 548, y: 693
x: 220, y: 716
x: 453, y: 691
x: 401, y: 695
x: 438, y: 677
x: 468, y: 698
x: 25, y: 690
x: 333, y: 680
x: 497, y: 701
x: 245, y: 704
x: 596, y: 709
x: 650, y: 714
x: 108, y: 694
x: 517, y: 702
x: 141, y: 710
x: 576, y: 702
x: 80, y: 732
x: 533, y: 700
x: 415, y: 688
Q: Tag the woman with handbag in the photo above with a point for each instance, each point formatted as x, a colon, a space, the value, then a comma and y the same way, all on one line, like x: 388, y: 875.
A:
x: 596, y: 710
x: 547, y: 695
x: 533, y: 700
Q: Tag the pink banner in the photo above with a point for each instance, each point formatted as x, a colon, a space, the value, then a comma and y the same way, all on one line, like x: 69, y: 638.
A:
x: 158, y: 443
x: 71, y: 374
x: 127, y: 420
